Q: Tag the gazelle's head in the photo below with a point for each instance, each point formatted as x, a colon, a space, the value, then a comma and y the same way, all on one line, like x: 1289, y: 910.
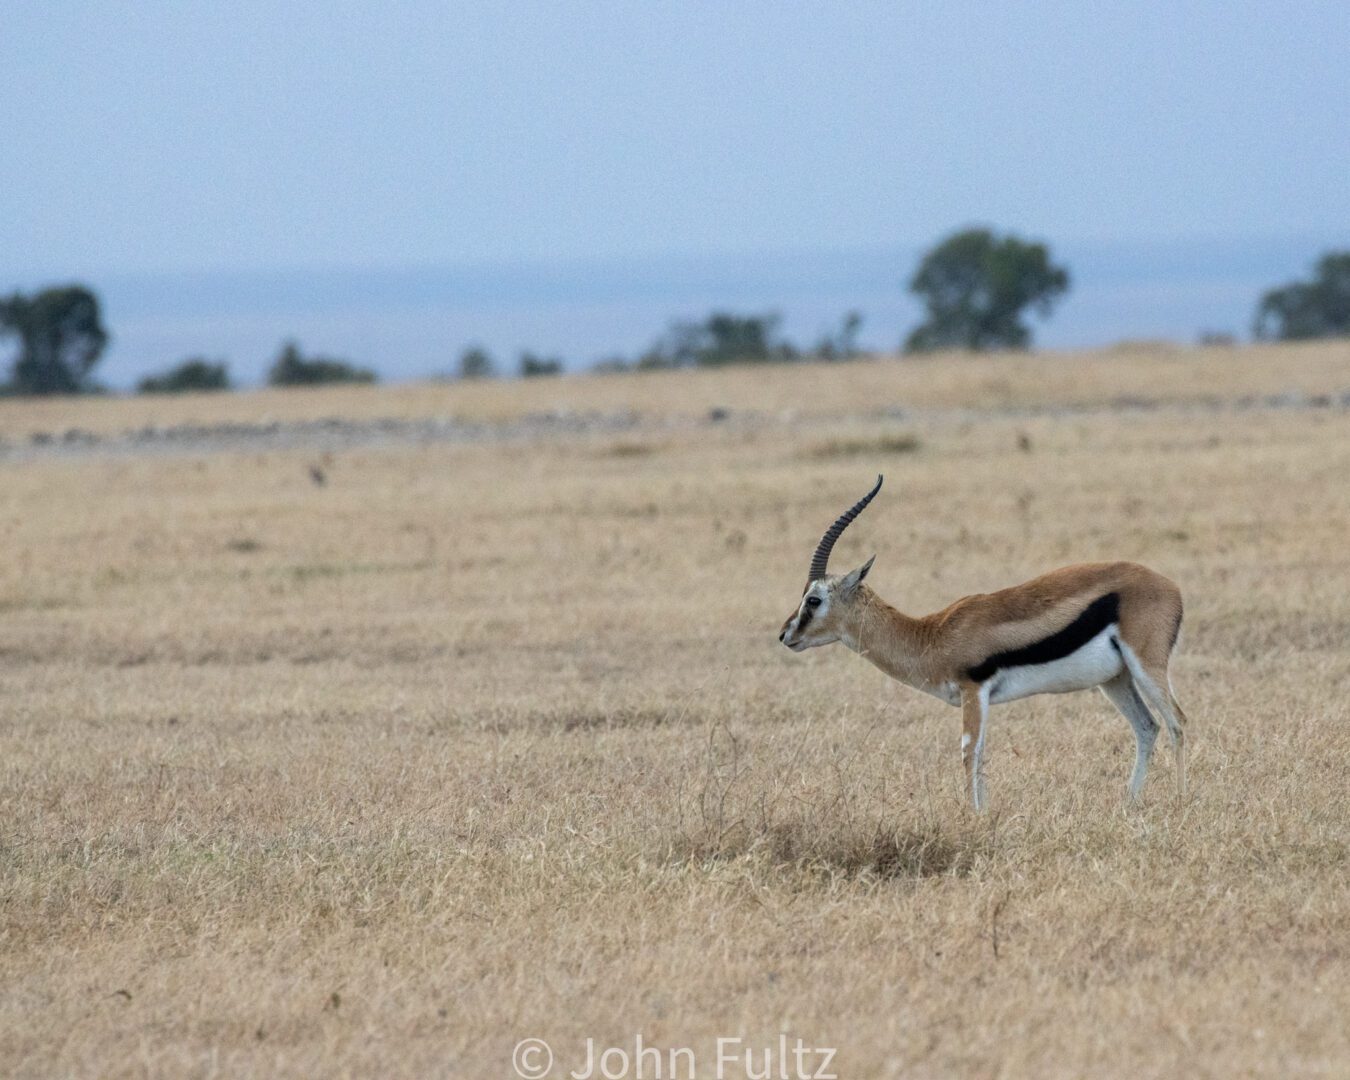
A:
x: 828, y: 598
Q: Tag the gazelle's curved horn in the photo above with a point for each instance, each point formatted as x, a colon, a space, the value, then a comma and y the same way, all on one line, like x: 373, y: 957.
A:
x: 821, y: 558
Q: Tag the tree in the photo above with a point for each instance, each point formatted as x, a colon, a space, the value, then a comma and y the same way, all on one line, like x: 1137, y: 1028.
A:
x: 191, y: 375
x: 842, y: 345
x: 291, y: 368
x: 532, y: 366
x: 1319, y: 308
x: 975, y: 286
x: 475, y: 362
x: 61, y: 338
x: 722, y: 338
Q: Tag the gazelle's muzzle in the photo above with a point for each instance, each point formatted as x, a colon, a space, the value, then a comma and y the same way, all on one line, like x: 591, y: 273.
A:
x: 790, y: 636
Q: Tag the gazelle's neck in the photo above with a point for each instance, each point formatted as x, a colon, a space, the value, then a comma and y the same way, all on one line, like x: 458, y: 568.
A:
x: 890, y: 639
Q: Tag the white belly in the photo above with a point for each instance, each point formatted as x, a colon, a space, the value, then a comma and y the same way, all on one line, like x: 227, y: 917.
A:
x: 1093, y: 664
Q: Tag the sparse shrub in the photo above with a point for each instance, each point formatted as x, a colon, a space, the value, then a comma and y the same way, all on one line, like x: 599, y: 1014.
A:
x: 532, y: 366
x: 196, y: 374
x: 476, y: 362
x: 654, y: 360
x: 843, y: 344
x: 291, y: 368
x: 722, y: 338
x: 866, y: 447
x: 629, y: 449
x: 244, y: 545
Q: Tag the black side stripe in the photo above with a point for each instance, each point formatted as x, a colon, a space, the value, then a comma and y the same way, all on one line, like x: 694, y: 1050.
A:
x: 1096, y: 617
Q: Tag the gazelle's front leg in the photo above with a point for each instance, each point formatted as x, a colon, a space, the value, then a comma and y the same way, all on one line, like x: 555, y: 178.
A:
x: 974, y: 710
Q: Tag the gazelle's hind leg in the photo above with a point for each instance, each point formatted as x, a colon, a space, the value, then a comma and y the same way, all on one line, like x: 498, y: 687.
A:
x: 1155, y: 687
x: 1176, y: 728
x: 1121, y: 693
x: 974, y: 717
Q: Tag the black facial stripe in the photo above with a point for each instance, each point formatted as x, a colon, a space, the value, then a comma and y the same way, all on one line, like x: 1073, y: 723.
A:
x: 804, y: 618
x: 1098, y: 615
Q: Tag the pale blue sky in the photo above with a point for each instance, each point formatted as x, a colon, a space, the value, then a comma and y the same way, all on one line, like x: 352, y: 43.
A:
x: 184, y: 157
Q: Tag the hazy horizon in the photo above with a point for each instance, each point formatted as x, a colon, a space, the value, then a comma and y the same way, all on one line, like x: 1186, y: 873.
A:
x: 570, y: 179
x: 413, y: 322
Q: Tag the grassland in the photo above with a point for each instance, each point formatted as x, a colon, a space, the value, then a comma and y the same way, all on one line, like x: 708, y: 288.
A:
x: 487, y: 740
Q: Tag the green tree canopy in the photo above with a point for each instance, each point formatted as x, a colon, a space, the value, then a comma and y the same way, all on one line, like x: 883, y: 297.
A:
x: 61, y: 338
x: 476, y: 362
x: 292, y: 368
x: 1319, y: 308
x: 975, y: 287
x: 721, y: 338
x: 191, y: 375
x: 532, y: 366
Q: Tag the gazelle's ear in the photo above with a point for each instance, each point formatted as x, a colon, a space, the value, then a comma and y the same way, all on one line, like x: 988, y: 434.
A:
x: 854, y: 578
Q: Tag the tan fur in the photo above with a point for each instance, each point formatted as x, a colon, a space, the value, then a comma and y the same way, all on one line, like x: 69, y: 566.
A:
x: 935, y: 652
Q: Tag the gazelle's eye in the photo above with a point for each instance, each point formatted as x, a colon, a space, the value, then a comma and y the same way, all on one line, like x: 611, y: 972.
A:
x: 813, y: 601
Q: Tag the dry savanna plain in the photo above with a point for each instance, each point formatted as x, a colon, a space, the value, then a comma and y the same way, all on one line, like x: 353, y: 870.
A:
x: 372, y: 758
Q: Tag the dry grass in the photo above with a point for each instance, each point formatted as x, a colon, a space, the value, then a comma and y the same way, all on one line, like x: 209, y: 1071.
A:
x: 873, y: 448
x: 788, y: 392
x: 481, y: 742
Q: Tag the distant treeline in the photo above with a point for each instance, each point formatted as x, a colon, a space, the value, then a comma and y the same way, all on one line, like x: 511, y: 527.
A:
x: 976, y: 288
x: 721, y: 338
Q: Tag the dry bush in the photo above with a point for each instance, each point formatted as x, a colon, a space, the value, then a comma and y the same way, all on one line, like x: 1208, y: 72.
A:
x: 877, y: 447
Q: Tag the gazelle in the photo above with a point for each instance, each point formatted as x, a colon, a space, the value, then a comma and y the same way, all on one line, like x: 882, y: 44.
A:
x: 1110, y: 625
